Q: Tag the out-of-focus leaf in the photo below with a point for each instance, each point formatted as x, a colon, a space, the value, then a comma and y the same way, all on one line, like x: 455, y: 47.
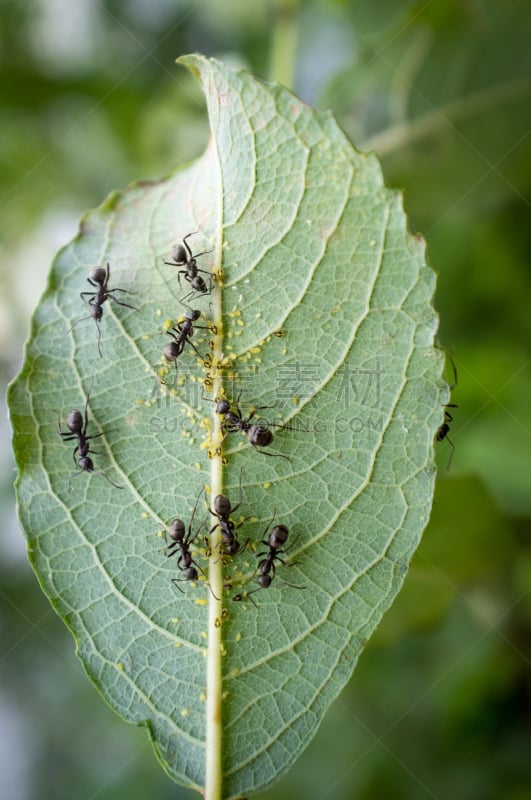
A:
x: 445, y: 98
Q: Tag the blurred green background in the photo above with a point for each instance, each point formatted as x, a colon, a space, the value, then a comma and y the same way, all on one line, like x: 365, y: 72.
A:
x: 440, y: 703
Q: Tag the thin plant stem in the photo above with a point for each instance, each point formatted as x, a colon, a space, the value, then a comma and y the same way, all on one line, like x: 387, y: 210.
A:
x: 284, y: 41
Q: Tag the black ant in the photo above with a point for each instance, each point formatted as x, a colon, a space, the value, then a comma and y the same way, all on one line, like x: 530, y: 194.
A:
x: 182, y: 257
x: 223, y: 510
x: 182, y: 335
x: 99, y: 277
x: 77, y: 430
x: 257, y: 435
x: 266, y: 567
x: 444, y: 429
x: 181, y: 542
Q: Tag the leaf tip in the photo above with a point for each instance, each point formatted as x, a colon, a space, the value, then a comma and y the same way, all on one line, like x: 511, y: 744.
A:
x: 193, y: 62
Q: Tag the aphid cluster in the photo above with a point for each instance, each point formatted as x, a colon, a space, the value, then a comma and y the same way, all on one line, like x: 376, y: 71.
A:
x: 180, y: 538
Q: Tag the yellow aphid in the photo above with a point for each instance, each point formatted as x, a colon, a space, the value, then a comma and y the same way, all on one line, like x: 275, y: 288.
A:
x: 185, y: 712
x: 158, y: 312
x: 201, y: 601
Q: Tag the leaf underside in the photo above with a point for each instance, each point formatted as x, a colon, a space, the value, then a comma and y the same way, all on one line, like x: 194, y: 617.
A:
x: 314, y: 248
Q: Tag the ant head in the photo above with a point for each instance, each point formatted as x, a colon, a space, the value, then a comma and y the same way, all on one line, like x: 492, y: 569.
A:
x: 193, y: 315
x: 278, y: 536
x: 86, y: 464
x: 259, y: 436
x: 190, y: 574
x: 171, y: 351
x: 222, y: 406
x: 176, y: 530
x: 74, y: 421
x: 98, y: 275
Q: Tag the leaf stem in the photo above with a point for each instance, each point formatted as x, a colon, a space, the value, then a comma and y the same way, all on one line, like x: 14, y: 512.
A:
x: 213, y: 770
x: 284, y: 41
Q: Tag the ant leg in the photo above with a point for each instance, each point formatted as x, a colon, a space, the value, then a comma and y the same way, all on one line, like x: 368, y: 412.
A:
x: 204, y: 271
x: 193, y: 293
x: 454, y: 384
x: 99, y: 339
x: 212, y: 592
x: 96, y: 436
x: 451, y: 454
x: 71, y: 477
x: 195, y: 348
x: 292, y: 585
x: 168, y: 547
x: 273, y: 455
x: 66, y: 436
x: 85, y: 426
x: 99, y: 472
x: 238, y: 598
x: 120, y: 302
x: 186, y: 243
x: 175, y: 581
x: 81, y: 319
x: 117, y: 289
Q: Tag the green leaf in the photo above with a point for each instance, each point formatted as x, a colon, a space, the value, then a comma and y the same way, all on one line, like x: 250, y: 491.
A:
x: 312, y: 245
